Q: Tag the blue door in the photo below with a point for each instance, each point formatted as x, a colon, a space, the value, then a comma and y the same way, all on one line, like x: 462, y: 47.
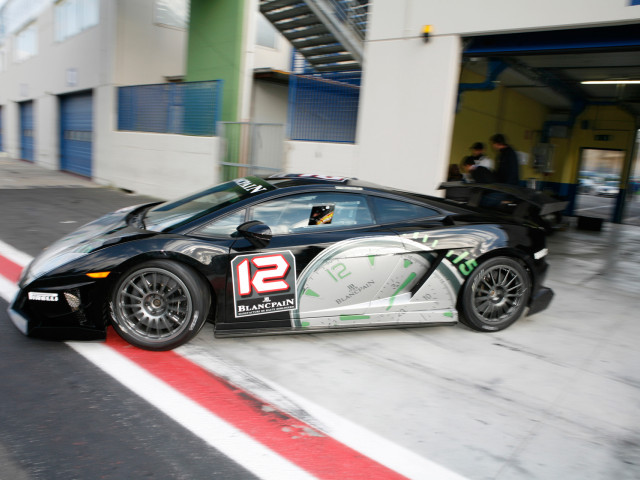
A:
x: 26, y: 131
x: 76, y: 133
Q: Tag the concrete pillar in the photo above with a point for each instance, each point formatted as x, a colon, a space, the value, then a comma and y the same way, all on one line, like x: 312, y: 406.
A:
x: 407, y: 109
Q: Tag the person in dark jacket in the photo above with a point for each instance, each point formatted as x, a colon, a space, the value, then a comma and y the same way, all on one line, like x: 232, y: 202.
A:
x: 508, y: 170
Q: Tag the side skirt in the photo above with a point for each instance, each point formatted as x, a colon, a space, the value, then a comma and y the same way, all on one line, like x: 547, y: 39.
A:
x: 335, y: 329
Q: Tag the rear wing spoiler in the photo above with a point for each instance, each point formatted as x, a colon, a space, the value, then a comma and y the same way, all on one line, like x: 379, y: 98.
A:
x: 523, y: 201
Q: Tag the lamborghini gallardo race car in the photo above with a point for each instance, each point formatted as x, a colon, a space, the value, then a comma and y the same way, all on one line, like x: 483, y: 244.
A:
x: 284, y: 254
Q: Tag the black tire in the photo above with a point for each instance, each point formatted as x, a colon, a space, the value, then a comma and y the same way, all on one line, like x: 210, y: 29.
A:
x: 159, y: 305
x: 495, y: 295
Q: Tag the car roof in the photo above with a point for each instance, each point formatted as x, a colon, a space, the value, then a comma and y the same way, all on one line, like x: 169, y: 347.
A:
x: 293, y: 180
x: 288, y: 180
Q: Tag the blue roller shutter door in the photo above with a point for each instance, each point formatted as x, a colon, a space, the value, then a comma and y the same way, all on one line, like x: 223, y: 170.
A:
x: 26, y: 131
x: 76, y: 126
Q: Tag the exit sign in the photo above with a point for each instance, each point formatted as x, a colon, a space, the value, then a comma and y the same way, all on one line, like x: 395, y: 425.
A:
x: 602, y: 138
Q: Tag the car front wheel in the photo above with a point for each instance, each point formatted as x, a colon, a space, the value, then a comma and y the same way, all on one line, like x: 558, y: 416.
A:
x: 495, y: 295
x: 159, y: 305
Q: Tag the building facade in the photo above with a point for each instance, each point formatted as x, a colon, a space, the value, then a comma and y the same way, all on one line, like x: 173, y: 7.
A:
x: 422, y: 99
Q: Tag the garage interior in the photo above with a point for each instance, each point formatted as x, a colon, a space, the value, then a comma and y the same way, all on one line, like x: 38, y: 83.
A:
x: 588, y: 140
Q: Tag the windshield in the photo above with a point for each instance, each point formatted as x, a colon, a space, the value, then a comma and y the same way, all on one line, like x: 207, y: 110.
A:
x: 175, y: 213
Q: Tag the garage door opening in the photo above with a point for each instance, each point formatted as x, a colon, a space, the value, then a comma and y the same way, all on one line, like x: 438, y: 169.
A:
x: 599, y: 182
x: 631, y: 214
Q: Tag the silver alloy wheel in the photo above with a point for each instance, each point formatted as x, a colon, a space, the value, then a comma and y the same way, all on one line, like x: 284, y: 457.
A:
x: 498, y: 293
x: 153, y: 304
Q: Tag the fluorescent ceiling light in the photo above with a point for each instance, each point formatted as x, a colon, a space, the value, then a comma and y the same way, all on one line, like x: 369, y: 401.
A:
x: 611, y: 82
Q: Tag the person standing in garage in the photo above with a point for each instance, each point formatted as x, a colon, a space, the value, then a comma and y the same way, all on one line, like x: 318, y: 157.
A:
x: 508, y: 170
x: 479, y: 157
x: 476, y: 173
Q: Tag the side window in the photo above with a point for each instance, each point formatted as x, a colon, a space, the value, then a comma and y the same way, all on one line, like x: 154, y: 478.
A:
x: 312, y: 212
x: 389, y: 211
x: 224, y: 226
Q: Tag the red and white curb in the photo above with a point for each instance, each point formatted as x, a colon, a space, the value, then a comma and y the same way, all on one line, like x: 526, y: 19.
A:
x: 241, y: 415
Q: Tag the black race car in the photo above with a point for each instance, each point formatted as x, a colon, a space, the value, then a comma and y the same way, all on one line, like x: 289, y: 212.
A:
x: 284, y: 254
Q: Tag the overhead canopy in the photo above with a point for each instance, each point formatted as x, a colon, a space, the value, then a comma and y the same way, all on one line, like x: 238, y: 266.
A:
x: 549, y: 66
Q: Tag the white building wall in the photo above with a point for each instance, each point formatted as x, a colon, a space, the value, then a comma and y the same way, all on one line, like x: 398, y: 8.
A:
x: 269, y: 102
x: 146, y: 52
x: 160, y: 165
x: 56, y: 69
x: 321, y: 158
x: 393, y: 19
x: 125, y: 47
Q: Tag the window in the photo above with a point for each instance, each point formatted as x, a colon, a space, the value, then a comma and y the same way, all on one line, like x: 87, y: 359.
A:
x: 266, y: 33
x: 75, y: 16
x: 299, y: 214
x: 312, y: 212
x: 225, y: 226
x: 391, y: 211
x: 173, y: 13
x: 26, y: 43
x: 18, y: 13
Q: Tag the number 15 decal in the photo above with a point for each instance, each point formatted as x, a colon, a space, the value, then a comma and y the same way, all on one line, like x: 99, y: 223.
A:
x: 270, y: 277
x: 264, y: 283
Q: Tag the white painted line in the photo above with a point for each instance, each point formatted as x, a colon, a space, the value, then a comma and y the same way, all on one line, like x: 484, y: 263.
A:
x: 15, y: 255
x: 378, y: 448
x: 230, y: 441
x: 8, y: 289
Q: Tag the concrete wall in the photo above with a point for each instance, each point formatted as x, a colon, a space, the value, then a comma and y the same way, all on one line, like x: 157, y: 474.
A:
x: 269, y: 102
x: 322, y: 158
x: 405, y: 18
x: 160, y: 165
x: 146, y: 52
x: 407, y: 105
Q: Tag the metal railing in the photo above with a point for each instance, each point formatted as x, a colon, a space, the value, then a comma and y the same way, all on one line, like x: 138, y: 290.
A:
x: 191, y: 108
x: 353, y: 13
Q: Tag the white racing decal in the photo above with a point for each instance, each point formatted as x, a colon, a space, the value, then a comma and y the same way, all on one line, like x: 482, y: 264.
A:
x: 249, y: 186
x: 194, y: 321
x: 264, y: 283
x: 43, y: 297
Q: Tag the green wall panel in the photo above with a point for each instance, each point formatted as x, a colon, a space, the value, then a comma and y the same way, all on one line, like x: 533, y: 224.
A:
x: 215, y: 48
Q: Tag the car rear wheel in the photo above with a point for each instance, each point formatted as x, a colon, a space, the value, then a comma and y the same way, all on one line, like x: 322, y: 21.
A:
x: 159, y: 305
x: 495, y: 295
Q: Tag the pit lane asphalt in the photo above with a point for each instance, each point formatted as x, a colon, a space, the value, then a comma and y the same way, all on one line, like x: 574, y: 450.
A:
x: 60, y: 416
x: 554, y: 396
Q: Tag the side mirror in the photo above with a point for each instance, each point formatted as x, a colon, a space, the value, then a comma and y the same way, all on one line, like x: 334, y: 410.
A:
x: 258, y: 233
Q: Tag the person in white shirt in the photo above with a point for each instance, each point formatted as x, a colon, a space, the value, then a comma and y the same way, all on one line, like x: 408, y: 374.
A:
x: 477, y: 153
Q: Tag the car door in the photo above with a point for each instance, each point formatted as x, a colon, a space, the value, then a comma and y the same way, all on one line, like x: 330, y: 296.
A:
x: 325, y: 263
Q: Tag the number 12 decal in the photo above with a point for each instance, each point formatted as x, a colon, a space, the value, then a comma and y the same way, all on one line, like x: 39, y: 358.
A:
x: 265, y: 280
x: 264, y: 283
